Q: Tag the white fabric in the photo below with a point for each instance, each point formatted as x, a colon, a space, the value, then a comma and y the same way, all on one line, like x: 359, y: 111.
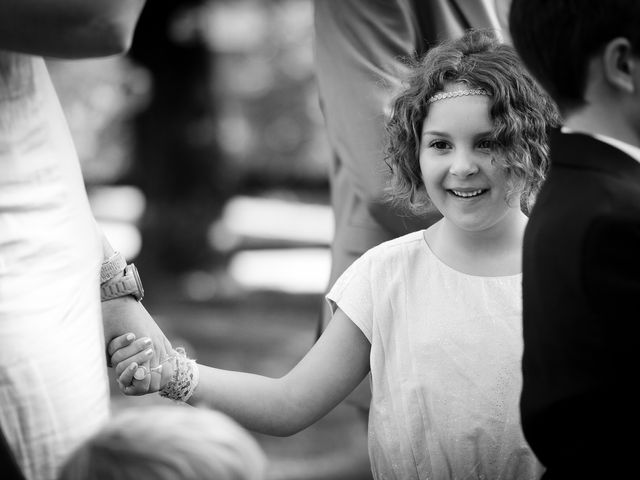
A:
x: 54, y: 390
x: 445, y: 365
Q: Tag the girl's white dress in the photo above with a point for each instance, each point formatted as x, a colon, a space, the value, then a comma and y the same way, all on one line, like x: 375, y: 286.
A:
x: 445, y: 365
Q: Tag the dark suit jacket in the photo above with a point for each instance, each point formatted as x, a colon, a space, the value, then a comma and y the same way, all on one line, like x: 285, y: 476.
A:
x: 581, y: 312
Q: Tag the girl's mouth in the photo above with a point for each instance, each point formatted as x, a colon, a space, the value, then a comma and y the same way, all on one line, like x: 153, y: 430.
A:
x: 467, y: 193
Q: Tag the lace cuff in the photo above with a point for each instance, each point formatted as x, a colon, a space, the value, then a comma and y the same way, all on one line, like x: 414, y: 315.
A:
x: 184, y: 379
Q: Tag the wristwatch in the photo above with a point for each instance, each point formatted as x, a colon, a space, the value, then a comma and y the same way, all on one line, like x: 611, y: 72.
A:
x: 112, y: 266
x: 128, y: 284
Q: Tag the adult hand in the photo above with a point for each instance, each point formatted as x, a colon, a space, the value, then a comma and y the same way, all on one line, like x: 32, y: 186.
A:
x: 126, y: 315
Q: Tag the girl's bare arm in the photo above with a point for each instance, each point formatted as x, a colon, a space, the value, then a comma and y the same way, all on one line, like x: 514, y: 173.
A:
x: 333, y: 367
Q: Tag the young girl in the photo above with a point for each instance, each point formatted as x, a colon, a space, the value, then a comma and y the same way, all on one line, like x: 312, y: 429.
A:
x: 435, y: 316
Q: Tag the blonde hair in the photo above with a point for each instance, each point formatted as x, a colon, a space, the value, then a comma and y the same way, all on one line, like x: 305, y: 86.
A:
x: 168, y: 443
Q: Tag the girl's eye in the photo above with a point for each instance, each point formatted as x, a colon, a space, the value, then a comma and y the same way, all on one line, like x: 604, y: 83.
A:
x: 486, y: 144
x: 439, y: 145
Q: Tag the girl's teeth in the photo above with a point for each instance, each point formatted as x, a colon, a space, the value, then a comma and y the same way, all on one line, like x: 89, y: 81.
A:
x: 466, y: 194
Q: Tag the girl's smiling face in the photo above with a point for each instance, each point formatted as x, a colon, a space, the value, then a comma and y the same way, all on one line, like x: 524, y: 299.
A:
x: 462, y: 181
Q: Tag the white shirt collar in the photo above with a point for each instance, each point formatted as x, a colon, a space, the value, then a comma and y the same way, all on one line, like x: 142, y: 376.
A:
x: 627, y: 148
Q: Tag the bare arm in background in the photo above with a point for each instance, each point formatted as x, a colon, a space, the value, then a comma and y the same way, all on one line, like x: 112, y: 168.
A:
x: 68, y: 28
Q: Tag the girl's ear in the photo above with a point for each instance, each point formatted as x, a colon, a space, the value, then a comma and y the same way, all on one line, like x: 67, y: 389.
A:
x: 620, y: 66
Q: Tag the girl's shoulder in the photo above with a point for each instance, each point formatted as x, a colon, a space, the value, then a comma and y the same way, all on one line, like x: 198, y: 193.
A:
x: 393, y: 252
x: 411, y: 241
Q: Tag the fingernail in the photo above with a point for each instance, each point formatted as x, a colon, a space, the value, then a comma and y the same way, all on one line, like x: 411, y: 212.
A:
x: 146, y: 341
x: 130, y: 337
x: 148, y: 352
x: 133, y: 366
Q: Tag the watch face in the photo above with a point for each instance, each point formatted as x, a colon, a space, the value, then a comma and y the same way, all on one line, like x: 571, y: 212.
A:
x: 136, y: 276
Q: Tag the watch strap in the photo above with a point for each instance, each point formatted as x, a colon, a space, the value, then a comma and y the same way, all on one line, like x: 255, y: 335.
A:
x: 115, y: 264
x: 128, y: 284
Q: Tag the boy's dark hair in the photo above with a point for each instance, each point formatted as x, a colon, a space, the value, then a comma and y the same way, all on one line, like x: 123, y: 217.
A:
x: 520, y: 110
x: 557, y: 38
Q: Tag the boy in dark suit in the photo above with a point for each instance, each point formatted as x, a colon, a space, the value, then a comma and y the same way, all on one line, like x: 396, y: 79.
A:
x: 581, y: 271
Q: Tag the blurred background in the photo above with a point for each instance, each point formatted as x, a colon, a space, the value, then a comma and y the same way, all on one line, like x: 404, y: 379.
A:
x: 204, y: 155
x: 206, y: 141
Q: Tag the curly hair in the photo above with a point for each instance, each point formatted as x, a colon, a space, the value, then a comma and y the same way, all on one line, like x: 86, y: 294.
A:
x: 521, y: 111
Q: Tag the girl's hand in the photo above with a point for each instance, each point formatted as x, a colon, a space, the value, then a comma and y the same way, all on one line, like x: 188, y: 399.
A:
x: 130, y: 357
x: 126, y: 315
x: 125, y: 381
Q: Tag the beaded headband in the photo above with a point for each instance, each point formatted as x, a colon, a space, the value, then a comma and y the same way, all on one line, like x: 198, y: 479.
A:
x: 457, y: 93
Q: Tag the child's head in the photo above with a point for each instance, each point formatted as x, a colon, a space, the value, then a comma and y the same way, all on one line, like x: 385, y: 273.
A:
x: 168, y: 443
x: 558, y: 38
x: 519, y: 111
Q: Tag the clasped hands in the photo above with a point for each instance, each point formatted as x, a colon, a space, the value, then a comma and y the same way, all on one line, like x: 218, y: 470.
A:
x: 131, y: 357
x: 124, y: 320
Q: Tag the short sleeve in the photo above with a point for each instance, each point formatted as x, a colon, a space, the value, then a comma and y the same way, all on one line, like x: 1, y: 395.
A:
x: 352, y: 293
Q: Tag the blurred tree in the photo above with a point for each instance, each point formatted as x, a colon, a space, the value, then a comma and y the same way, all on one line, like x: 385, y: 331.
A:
x: 100, y: 96
x: 217, y: 98
x: 270, y: 121
x: 178, y: 166
x: 233, y: 108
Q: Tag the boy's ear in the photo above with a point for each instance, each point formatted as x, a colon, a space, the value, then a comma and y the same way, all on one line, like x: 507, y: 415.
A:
x: 620, y: 65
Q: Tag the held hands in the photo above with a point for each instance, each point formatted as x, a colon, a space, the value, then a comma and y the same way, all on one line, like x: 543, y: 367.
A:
x: 130, y: 358
x: 125, y: 314
x: 176, y: 377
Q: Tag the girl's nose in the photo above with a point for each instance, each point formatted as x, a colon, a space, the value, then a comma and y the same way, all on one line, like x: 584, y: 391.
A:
x: 463, y: 165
